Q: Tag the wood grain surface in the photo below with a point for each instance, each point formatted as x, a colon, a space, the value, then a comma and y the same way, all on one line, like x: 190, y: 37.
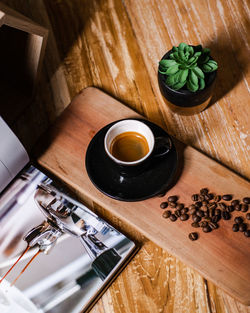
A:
x: 221, y: 256
x: 116, y: 45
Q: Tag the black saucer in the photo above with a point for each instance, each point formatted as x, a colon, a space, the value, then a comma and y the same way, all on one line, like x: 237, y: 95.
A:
x: 105, y: 175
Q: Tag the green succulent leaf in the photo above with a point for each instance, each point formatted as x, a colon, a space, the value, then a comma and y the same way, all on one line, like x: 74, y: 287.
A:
x: 207, y: 68
x: 198, y: 72
x: 203, y: 59
x: 172, y: 70
x: 179, y: 85
x: 212, y: 64
x: 183, y: 75
x: 197, y: 54
x: 193, y: 77
x: 187, y: 65
x: 167, y: 63
x: 191, y: 86
x: 191, y: 50
x: 202, y: 83
x: 181, y: 55
x: 182, y: 46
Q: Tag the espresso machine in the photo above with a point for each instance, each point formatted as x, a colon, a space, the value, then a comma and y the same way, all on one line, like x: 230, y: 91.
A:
x: 60, y: 254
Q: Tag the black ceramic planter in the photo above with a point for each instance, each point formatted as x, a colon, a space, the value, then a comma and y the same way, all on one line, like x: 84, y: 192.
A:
x: 183, y: 101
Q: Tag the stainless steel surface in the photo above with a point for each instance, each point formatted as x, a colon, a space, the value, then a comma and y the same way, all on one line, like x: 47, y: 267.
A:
x: 70, y: 277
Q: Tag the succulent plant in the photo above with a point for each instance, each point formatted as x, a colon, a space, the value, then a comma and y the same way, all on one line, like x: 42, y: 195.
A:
x: 187, y: 66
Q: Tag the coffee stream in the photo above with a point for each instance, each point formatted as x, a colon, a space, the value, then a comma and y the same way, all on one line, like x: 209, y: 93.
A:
x: 12, y: 267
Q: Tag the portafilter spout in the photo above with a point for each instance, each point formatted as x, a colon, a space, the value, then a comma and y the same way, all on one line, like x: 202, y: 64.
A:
x: 60, y: 219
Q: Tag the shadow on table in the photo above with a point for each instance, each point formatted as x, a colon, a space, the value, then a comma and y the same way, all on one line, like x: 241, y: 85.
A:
x: 232, y: 60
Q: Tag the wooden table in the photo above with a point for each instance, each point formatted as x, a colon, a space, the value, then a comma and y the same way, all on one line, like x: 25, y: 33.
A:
x: 116, y: 45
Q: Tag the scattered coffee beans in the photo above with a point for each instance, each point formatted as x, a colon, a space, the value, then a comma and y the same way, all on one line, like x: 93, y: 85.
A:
x: 172, y: 204
x: 217, y: 198
x: 246, y: 200
x: 235, y: 202
x: 244, y: 207
x: 164, y: 205
x: 195, y: 197
x: 166, y: 214
x: 180, y: 206
x: 193, y: 236
x: 207, y: 210
x: 173, y: 217
x: 247, y: 233
x: 242, y: 227
x: 227, y: 197
x: 235, y: 227
x: 238, y: 220
x: 172, y: 198
x: 184, y: 217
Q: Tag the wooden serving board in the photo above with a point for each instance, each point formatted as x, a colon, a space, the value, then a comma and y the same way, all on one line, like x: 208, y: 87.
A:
x: 221, y: 256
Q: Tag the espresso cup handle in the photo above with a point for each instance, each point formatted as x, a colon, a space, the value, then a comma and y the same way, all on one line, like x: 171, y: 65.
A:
x: 162, y: 146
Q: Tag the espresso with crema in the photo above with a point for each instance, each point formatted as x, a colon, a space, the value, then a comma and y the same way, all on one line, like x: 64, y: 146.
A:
x: 129, y: 146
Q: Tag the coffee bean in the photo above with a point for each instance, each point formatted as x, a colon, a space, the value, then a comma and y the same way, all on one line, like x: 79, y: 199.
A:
x: 217, y: 212
x: 248, y: 216
x: 235, y: 227
x: 184, y: 210
x: 196, y: 218
x: 211, y: 212
x: 225, y: 215
x: 237, y: 207
x: 201, y: 198
x: 246, y: 200
x: 180, y: 206
x: 210, y: 196
x: 164, y: 205
x: 195, y: 224
x: 247, y: 233
x: 172, y: 199
x: 195, y: 197
x: 193, y: 236
x: 193, y: 211
x: 230, y: 208
x: 244, y: 207
x: 209, y: 219
x: 177, y: 213
x: 217, y: 198
x: 203, y: 191
x: 242, y: 227
x: 215, y: 219
x: 235, y: 202
x: 222, y: 205
x: 207, y: 197
x: 173, y: 217
x: 212, y: 205
x: 184, y: 217
x: 206, y: 229
x: 203, y: 224
x: 213, y: 225
x: 206, y: 213
x: 172, y: 204
x: 238, y: 220
x: 200, y: 213
x: 198, y: 204
x: 227, y: 197
x: 204, y: 202
x: 166, y: 214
